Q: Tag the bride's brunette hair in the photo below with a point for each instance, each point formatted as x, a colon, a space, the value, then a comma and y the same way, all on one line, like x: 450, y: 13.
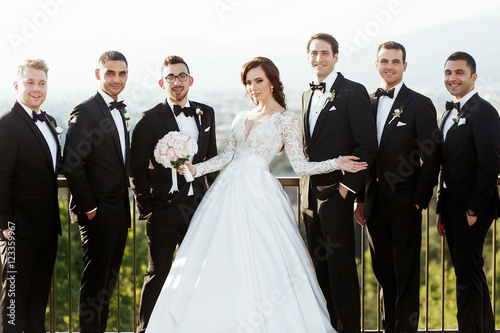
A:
x: 272, y: 74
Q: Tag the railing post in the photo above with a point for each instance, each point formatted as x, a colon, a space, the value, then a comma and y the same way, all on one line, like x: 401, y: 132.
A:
x: 362, y: 279
x: 427, y: 269
x: 70, y: 294
x: 134, y: 226
x: 494, y: 270
x: 442, y: 283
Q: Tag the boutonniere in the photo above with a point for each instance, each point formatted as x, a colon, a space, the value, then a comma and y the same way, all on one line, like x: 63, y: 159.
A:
x: 56, y: 129
x: 198, y: 111
x: 457, y: 118
x: 126, y: 115
x: 331, y: 96
x: 397, y: 113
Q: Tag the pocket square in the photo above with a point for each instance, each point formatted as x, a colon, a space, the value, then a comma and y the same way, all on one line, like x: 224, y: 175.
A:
x: 461, y: 121
x: 333, y: 108
x: 400, y: 123
x: 207, y: 129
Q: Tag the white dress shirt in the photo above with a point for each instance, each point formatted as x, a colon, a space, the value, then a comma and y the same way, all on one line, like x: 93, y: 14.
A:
x: 318, y: 100
x: 385, y: 105
x: 454, y: 113
x: 47, y: 133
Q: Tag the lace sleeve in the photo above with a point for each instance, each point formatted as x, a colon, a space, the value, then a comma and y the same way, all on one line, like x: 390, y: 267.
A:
x: 221, y: 160
x: 217, y: 162
x: 294, y: 149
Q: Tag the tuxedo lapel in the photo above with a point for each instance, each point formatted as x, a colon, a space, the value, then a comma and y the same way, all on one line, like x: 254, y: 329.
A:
x: 127, y: 139
x: 166, y: 114
x: 36, y: 131
x: 469, y: 106
x: 326, y: 107
x: 305, y: 121
x: 200, y: 122
x: 111, y: 122
x: 391, y: 122
x: 374, y: 106
x: 51, y: 123
x: 443, y: 120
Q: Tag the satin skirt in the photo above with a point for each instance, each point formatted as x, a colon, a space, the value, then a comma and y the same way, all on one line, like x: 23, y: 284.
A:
x: 242, y: 266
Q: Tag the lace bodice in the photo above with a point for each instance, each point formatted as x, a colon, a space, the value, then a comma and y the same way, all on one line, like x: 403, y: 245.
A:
x: 265, y: 140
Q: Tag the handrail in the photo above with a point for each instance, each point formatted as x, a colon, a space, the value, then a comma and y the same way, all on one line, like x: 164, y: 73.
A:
x: 364, y: 267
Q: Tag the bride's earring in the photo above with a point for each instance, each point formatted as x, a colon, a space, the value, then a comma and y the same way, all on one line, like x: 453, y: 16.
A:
x: 272, y: 89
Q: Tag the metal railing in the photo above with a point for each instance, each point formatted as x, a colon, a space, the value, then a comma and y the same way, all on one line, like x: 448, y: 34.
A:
x: 364, y: 263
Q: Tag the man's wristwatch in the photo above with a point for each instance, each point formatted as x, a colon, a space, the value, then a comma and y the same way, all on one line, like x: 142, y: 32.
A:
x: 470, y: 212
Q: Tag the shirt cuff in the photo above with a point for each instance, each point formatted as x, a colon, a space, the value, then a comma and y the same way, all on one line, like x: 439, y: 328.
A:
x: 348, y: 188
x: 90, y: 211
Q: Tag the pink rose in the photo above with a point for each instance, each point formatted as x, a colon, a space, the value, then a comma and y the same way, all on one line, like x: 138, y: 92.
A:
x: 171, y: 155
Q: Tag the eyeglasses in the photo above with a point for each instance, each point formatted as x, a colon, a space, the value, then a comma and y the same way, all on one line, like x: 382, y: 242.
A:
x: 183, y: 77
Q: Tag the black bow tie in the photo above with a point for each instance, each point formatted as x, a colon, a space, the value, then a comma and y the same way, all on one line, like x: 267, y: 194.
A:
x: 321, y: 87
x: 382, y: 92
x: 188, y: 111
x: 117, y: 105
x: 450, y: 105
x: 39, y: 116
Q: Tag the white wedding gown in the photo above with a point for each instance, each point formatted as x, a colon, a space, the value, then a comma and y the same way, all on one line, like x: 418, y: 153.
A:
x: 242, y: 266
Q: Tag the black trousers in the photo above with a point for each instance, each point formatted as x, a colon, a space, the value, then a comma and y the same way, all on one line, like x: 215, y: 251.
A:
x: 475, y: 314
x: 27, y: 267
x: 395, y: 235
x: 330, y: 235
x: 103, y: 242
x: 165, y: 230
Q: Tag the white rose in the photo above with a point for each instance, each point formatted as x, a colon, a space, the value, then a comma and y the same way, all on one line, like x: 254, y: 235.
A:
x: 192, y: 147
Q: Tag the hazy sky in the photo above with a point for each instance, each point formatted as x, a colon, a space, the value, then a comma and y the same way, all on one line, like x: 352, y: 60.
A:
x: 217, y: 36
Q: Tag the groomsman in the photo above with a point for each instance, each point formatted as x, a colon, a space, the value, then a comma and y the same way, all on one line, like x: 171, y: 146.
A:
x: 468, y: 200
x: 96, y: 158
x: 337, y: 120
x: 164, y: 198
x: 29, y: 208
x: 398, y: 187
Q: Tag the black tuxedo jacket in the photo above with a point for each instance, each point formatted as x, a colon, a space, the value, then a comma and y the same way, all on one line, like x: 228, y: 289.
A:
x: 471, y: 157
x: 93, y: 161
x: 28, y: 183
x: 409, y: 154
x: 150, y: 181
x: 345, y: 127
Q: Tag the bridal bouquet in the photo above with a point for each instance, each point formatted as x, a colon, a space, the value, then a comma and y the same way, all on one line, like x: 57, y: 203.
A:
x: 174, y: 149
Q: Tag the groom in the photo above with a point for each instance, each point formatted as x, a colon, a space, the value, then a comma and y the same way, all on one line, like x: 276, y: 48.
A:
x: 163, y: 197
x: 337, y: 120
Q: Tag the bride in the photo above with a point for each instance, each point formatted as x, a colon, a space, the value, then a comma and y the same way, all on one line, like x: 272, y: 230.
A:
x: 242, y: 266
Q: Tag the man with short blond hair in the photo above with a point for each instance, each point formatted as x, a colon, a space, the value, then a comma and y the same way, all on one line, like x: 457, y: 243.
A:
x: 29, y: 208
